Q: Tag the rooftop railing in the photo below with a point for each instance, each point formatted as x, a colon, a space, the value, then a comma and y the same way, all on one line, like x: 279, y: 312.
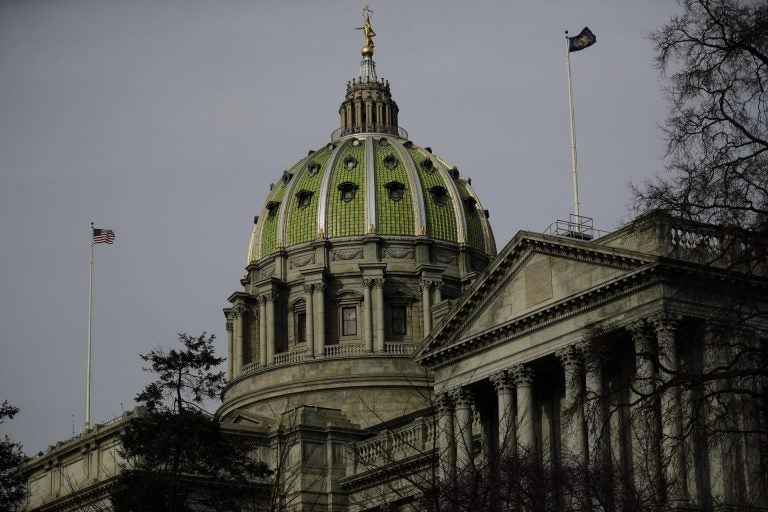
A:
x: 397, y: 131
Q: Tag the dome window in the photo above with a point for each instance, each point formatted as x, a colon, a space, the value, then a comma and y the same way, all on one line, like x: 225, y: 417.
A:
x: 303, y: 198
x: 390, y: 162
x: 469, y: 203
x: 395, y: 189
x: 331, y: 146
x: 313, y: 168
x: 348, y: 191
x: 439, y: 195
x: 427, y: 165
x: 408, y: 144
x: 356, y: 142
x: 350, y: 162
x: 286, y: 177
x: 383, y: 142
x: 272, y: 207
x: 455, y: 173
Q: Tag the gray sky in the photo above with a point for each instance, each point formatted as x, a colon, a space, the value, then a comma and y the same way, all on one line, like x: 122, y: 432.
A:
x: 167, y: 120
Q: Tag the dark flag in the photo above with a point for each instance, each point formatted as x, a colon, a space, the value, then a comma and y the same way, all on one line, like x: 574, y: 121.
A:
x: 585, y: 39
x: 103, y: 236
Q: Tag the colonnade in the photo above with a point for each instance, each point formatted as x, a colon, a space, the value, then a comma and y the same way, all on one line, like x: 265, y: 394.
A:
x: 585, y: 424
x: 372, y: 310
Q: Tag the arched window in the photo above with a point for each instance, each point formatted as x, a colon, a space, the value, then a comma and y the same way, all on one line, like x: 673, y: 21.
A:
x: 439, y: 195
x: 395, y: 189
x: 303, y: 198
x: 347, y: 190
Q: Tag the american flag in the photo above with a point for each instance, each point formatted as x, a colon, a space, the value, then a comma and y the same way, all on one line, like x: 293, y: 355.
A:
x: 103, y: 236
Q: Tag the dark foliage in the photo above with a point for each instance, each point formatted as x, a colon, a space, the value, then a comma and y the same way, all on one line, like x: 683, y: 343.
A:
x: 12, y: 485
x: 177, y: 456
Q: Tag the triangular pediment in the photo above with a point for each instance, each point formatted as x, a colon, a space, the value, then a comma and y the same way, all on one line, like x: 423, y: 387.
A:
x: 533, y: 274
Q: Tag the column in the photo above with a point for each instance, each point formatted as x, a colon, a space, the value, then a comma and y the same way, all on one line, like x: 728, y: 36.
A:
x: 426, y: 305
x: 262, y: 332
x: 574, y: 435
x: 446, y: 440
x: 270, y: 299
x: 464, y: 440
x: 319, y: 319
x: 230, y: 349
x: 523, y: 376
x: 504, y: 385
x: 645, y: 419
x: 672, y: 442
x: 309, y: 318
x: 379, y: 310
x: 367, y: 315
x: 438, y: 292
x: 596, y: 419
x: 239, y: 312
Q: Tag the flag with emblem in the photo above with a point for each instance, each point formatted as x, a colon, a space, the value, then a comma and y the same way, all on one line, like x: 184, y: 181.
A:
x: 585, y: 39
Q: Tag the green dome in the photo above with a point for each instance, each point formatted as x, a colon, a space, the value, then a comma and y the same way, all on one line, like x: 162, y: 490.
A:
x: 371, y: 183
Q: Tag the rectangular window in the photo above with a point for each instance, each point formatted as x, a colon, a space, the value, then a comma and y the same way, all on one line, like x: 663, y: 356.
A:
x: 301, y: 327
x: 398, y: 320
x: 349, y: 321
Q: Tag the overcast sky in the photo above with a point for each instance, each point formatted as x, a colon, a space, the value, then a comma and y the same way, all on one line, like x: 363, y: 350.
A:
x: 166, y: 120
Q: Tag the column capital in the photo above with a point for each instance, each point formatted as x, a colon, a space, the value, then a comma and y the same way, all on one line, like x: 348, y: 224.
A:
x: 368, y: 282
x: 319, y: 287
x: 239, y: 310
x: 522, y: 374
x: 463, y: 398
x: 230, y: 326
x: 638, y: 329
x: 571, y: 356
x: 444, y: 402
x: 265, y: 298
x: 502, y: 381
x: 665, y: 322
x: 378, y: 282
x: 309, y: 288
x: 426, y: 284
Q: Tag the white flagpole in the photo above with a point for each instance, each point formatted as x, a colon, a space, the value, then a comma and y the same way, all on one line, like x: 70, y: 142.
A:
x: 573, y: 135
x: 90, y: 340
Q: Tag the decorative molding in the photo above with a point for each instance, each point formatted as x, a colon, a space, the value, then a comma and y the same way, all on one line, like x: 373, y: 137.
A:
x: 267, y: 272
x: 302, y: 261
x: 449, y: 258
x: 502, y: 381
x: 399, y: 253
x: 523, y: 374
x: 347, y: 254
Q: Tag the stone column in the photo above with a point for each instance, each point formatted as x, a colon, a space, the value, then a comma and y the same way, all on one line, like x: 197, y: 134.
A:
x: 379, y: 310
x: 262, y: 332
x: 504, y: 385
x: 646, y: 421
x: 526, y: 435
x: 270, y: 299
x: 464, y: 440
x: 446, y: 440
x: 426, y: 305
x: 596, y: 414
x: 230, y: 349
x: 575, y: 430
x: 438, y: 292
x: 367, y: 315
x: 309, y: 319
x: 239, y: 311
x: 320, y: 319
x: 672, y: 442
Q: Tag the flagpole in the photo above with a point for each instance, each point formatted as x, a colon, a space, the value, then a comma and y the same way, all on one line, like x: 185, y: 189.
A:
x: 573, y: 135
x: 90, y: 339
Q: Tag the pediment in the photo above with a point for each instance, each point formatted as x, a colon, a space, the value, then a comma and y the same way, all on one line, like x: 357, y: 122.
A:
x: 252, y: 419
x: 533, y: 274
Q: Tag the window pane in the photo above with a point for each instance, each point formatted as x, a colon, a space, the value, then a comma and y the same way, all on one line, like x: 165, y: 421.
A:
x: 398, y: 320
x: 349, y: 321
x: 301, y: 327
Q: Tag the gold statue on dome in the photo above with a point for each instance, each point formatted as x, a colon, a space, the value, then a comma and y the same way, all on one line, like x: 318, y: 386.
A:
x: 368, y: 32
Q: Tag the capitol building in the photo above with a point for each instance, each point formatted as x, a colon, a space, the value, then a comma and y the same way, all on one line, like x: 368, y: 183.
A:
x: 380, y: 347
